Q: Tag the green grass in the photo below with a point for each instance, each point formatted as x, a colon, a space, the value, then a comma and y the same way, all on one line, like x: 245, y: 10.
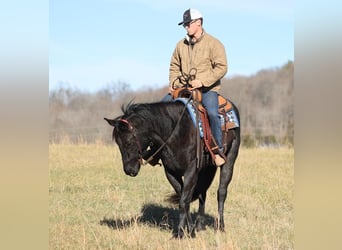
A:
x: 94, y: 205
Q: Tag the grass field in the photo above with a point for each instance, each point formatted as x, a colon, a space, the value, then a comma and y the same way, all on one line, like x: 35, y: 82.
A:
x: 94, y: 205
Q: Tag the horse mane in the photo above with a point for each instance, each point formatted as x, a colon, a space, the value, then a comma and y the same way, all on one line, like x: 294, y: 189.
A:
x: 162, y: 116
x: 128, y: 108
x: 151, y: 110
x: 131, y: 108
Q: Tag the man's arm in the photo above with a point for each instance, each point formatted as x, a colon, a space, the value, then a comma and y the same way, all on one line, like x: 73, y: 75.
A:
x: 174, y: 71
x: 219, y: 65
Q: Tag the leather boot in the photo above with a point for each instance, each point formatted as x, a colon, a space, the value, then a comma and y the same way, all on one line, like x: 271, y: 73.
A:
x: 219, y: 161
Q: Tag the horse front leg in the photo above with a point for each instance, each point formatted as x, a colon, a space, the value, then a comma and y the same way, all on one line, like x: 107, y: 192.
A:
x: 200, y: 223
x: 184, y: 207
x: 184, y: 218
x: 177, y: 184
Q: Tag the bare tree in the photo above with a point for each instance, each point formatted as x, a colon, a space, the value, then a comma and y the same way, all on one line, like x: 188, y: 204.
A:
x: 265, y: 101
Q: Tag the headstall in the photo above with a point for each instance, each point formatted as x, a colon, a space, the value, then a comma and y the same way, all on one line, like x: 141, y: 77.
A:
x: 131, y: 128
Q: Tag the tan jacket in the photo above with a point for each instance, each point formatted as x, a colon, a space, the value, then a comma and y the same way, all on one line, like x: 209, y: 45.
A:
x: 207, y: 55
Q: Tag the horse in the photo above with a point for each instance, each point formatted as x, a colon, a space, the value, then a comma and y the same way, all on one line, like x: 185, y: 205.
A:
x: 165, y: 131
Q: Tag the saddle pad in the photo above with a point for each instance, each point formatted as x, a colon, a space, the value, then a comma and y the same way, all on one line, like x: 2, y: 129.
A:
x: 228, y: 117
x: 192, y: 112
x: 229, y: 121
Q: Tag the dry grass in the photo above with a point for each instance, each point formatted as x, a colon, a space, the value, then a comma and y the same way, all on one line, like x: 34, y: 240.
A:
x: 94, y: 205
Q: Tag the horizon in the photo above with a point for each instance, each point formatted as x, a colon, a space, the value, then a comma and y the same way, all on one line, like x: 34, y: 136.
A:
x: 129, y: 87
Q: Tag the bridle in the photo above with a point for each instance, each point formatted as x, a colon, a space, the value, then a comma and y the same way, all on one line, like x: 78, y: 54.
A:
x: 133, y: 130
x: 186, y: 78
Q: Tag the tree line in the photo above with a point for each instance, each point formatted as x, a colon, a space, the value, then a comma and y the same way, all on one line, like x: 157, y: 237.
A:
x: 265, y: 101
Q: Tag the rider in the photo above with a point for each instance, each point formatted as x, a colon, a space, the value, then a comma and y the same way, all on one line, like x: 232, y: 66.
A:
x: 206, y: 54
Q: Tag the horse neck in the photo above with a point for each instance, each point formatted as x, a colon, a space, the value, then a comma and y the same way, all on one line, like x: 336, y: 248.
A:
x: 163, y: 118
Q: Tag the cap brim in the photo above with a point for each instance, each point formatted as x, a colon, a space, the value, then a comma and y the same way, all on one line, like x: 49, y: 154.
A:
x: 180, y: 23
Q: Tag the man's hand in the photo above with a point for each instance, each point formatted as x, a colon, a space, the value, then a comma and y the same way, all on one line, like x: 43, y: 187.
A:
x: 196, y: 84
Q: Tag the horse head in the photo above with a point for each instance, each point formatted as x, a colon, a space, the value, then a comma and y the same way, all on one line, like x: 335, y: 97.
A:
x: 131, y: 147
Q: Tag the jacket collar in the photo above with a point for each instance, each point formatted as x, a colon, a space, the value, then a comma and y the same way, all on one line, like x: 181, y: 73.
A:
x: 188, y: 39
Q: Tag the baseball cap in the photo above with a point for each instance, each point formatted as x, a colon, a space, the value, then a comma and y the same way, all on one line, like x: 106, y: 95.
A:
x: 190, y: 14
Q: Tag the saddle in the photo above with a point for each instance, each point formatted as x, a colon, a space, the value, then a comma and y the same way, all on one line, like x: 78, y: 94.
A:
x: 228, y: 117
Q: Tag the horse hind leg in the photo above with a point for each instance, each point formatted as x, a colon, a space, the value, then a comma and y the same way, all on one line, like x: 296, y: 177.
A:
x: 226, y: 174
x: 205, y: 179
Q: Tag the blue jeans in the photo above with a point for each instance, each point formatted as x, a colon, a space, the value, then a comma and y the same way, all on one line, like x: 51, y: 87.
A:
x: 210, y: 103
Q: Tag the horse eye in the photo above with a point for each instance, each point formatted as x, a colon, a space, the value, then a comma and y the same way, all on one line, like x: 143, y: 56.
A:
x: 129, y: 142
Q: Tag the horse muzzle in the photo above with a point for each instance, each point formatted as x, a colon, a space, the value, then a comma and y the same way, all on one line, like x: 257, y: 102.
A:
x: 132, y: 169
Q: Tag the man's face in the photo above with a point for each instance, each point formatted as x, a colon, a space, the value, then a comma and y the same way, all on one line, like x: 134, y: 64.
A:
x: 192, y: 27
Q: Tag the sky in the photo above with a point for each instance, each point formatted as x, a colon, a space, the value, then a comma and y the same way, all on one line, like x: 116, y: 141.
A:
x: 93, y: 44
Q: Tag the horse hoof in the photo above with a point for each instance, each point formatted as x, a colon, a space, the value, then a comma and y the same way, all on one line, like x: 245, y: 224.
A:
x: 200, y: 227
x: 178, y: 235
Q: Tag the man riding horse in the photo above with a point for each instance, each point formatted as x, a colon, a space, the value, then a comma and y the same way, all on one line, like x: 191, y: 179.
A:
x: 206, y: 54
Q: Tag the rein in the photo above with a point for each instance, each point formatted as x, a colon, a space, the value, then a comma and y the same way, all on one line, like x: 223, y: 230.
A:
x: 163, y: 145
x: 186, y: 78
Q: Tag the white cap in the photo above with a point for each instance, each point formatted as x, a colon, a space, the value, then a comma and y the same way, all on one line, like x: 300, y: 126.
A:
x: 189, y: 15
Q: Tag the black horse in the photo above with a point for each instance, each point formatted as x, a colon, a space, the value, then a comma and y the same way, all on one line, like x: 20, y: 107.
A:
x: 165, y: 131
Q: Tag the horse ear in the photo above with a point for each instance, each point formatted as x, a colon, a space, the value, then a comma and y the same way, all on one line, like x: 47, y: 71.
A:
x: 111, y: 122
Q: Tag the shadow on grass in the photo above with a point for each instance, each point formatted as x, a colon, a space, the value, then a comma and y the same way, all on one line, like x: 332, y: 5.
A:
x: 154, y: 215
